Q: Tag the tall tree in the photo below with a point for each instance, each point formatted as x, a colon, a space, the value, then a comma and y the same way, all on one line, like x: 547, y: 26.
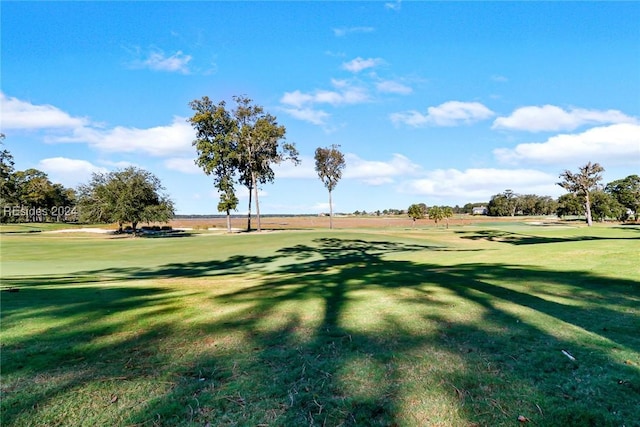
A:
x: 217, y: 148
x: 260, y: 145
x: 436, y: 213
x: 329, y: 165
x: 582, y: 184
x: 131, y: 195
x: 627, y: 193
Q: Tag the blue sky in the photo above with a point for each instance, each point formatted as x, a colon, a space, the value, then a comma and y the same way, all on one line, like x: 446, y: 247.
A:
x: 436, y: 103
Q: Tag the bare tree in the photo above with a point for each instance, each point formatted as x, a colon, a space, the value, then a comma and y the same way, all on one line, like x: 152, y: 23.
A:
x: 582, y: 184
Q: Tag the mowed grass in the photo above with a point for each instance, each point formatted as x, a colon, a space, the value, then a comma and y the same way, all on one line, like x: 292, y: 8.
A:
x: 424, y: 327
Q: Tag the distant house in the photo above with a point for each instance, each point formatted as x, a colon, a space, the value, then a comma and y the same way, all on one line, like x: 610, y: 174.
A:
x: 479, y: 210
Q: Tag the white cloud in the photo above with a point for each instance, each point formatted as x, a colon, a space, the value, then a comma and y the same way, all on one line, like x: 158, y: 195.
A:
x: 390, y: 86
x: 481, y: 184
x: 553, y: 118
x: 345, y: 94
x: 451, y: 113
x: 158, y: 61
x: 305, y: 170
x: 170, y: 140
x: 373, y: 172
x: 69, y: 172
x: 316, y: 117
x: 613, y: 144
x: 183, y: 164
x: 341, y: 32
x: 17, y: 114
x: 396, y: 5
x: 358, y: 64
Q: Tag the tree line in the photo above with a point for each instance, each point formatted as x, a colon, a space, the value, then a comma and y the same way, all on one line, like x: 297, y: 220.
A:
x: 239, y: 146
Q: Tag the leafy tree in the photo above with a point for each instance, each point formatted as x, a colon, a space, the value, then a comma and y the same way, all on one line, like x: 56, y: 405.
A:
x: 568, y: 204
x: 7, y: 183
x: 260, y: 145
x: 438, y: 213
x: 329, y: 165
x: 447, y: 212
x: 604, y: 206
x: 545, y: 205
x: 627, y: 192
x: 217, y: 147
x: 131, y: 195
x: 503, y: 204
x: 417, y: 211
x: 582, y: 184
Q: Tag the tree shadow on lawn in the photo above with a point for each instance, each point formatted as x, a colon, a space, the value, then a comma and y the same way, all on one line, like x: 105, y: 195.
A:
x: 363, y: 361
x: 335, y: 373
x: 527, y: 239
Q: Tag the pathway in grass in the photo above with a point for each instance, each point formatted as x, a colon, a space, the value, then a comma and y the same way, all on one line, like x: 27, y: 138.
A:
x: 424, y: 327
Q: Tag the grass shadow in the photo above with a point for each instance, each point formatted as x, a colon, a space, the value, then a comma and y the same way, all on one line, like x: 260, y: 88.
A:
x: 321, y: 339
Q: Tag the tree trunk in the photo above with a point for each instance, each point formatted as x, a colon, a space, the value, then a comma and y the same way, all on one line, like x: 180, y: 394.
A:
x: 228, y: 221
x: 255, y: 189
x: 330, y: 212
x: 587, y: 209
x: 249, y: 214
x: 134, y: 225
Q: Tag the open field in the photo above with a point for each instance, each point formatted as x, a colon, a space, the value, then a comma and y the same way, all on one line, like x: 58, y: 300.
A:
x: 382, y: 325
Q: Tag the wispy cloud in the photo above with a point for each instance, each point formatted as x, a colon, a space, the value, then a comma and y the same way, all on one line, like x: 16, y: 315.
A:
x: 160, y: 141
x: 182, y: 164
x: 68, y: 172
x: 390, y: 86
x: 480, y: 184
x: 613, y: 144
x: 376, y: 172
x: 451, y: 113
x: 316, y: 117
x: 300, y: 105
x: 553, y: 118
x: 17, y: 114
x: 343, y: 31
x: 358, y: 64
x: 158, y: 60
x: 395, y: 5
x: 344, y: 93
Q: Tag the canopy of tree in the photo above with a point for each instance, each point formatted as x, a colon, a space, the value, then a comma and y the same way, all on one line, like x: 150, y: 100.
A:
x: 329, y: 165
x: 131, y: 195
x: 241, y: 145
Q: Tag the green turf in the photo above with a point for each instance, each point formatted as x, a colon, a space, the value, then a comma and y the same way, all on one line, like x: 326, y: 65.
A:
x: 421, y: 327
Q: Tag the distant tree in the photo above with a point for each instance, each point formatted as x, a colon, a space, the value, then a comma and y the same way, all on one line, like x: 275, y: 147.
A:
x: 582, y: 184
x: 416, y: 211
x: 7, y: 183
x: 260, y: 145
x: 447, y: 212
x: 131, y: 195
x: 604, y: 206
x: 438, y: 213
x: 569, y: 204
x: 502, y: 204
x: 627, y: 192
x: 545, y: 205
x: 329, y: 165
x: 217, y: 149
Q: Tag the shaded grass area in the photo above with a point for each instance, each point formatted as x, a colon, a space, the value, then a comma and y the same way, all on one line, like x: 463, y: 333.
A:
x: 416, y: 329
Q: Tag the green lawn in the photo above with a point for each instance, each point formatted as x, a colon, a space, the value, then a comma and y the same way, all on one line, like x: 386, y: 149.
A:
x: 425, y: 327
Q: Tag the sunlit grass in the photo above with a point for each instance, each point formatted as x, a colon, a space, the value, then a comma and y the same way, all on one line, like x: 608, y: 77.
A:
x: 416, y: 327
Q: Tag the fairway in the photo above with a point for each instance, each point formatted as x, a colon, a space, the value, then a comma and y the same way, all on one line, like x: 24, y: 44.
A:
x: 476, y: 325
